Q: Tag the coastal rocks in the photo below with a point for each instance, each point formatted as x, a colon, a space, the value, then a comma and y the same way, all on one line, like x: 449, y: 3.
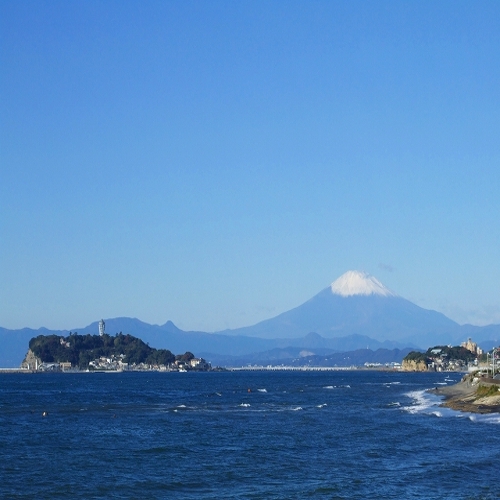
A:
x: 411, y: 365
x: 472, y: 394
x: 488, y: 401
x: 472, y: 405
x: 30, y: 361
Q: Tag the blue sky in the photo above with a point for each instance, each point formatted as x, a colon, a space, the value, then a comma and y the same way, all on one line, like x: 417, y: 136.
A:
x: 217, y: 163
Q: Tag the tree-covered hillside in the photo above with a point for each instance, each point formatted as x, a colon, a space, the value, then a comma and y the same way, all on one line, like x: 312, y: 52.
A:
x: 80, y: 350
x: 442, y: 352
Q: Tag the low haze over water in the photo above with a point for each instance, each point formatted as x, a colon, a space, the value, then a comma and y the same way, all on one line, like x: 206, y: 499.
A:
x: 345, y: 435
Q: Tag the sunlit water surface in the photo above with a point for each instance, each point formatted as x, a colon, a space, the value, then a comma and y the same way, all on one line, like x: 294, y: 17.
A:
x: 246, y: 435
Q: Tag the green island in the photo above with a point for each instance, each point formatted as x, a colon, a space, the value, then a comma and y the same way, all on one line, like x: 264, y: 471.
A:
x: 479, y: 389
x: 104, y: 353
x: 440, y: 358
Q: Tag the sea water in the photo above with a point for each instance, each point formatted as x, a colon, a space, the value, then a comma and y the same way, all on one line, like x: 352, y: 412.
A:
x: 243, y: 435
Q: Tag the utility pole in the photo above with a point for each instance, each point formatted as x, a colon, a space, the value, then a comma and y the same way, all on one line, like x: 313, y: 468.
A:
x: 494, y: 354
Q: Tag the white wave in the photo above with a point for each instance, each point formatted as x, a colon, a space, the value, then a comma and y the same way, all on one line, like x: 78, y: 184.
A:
x: 485, y: 419
x: 421, y: 402
x: 392, y: 383
x: 181, y: 406
x: 441, y: 383
x: 491, y: 419
x: 347, y: 386
x: 395, y: 403
x: 245, y: 405
x: 426, y: 403
x: 297, y: 408
x: 321, y: 406
x: 262, y: 390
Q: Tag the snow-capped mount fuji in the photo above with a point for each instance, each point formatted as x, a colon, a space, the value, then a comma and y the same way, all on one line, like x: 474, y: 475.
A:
x: 359, y: 283
x: 358, y: 304
x: 355, y: 312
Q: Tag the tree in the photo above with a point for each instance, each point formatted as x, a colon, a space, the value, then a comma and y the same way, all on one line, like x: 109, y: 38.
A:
x: 85, y: 348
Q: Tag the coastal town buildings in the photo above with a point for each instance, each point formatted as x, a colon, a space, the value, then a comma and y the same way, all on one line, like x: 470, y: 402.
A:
x: 443, y: 358
x: 472, y: 347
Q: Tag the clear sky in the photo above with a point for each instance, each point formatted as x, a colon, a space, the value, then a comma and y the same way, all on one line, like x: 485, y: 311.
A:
x: 217, y: 163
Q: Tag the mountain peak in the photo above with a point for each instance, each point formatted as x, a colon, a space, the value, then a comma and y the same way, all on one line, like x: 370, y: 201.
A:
x: 359, y: 283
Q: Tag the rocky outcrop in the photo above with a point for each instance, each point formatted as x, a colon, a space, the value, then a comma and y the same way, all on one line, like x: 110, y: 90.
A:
x: 414, y: 365
x: 30, y: 361
x: 473, y: 394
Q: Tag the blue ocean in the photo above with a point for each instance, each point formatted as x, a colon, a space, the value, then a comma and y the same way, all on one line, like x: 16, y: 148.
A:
x: 243, y: 435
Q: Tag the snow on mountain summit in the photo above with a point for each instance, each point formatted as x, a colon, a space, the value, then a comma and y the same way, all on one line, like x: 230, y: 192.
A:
x: 359, y: 283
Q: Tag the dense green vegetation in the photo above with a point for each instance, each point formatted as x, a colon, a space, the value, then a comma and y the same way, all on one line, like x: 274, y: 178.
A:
x: 79, y: 350
x: 457, y: 353
x: 417, y: 356
x: 443, y: 352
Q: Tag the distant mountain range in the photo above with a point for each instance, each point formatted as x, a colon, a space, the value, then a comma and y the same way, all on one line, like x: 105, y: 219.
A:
x: 297, y: 356
x: 355, y: 312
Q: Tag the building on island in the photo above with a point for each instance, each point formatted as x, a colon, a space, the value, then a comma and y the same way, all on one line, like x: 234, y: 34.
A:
x: 472, y: 347
x: 199, y: 364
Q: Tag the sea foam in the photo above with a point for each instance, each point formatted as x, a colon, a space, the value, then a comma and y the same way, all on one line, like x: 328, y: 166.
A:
x: 421, y: 402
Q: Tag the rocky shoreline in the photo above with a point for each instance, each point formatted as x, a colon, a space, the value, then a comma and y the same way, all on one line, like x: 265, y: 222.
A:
x: 465, y: 396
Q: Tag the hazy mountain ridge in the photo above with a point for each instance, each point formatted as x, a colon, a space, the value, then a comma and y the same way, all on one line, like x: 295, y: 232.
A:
x: 355, y: 312
x: 299, y: 357
x: 331, y: 315
x: 15, y: 342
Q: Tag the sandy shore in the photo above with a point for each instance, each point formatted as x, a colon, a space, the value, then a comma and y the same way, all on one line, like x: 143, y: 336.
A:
x: 463, y: 397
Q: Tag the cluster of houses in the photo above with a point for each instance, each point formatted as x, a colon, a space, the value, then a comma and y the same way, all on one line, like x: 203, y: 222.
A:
x: 116, y: 363
x: 441, y: 362
x: 393, y: 365
x: 49, y: 367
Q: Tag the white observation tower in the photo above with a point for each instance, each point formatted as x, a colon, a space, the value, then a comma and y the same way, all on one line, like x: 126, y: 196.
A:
x: 101, y: 327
